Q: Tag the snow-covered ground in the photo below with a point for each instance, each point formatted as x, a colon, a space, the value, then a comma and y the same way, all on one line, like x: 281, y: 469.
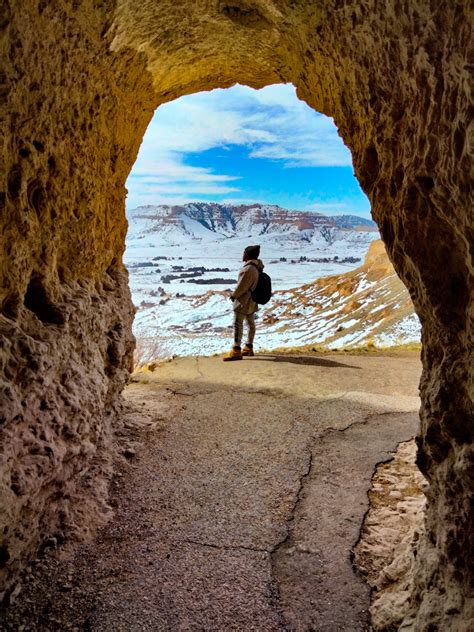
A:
x: 228, y: 254
x: 191, y: 314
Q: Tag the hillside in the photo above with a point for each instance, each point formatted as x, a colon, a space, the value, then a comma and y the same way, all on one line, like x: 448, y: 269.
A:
x: 368, y: 304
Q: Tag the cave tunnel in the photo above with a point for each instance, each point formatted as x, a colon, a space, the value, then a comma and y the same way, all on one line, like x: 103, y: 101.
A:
x: 79, y: 85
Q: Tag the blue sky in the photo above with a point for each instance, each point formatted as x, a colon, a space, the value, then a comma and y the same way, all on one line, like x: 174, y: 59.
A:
x: 241, y: 146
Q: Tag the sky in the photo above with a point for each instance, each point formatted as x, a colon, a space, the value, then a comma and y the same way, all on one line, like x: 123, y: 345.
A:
x: 242, y: 146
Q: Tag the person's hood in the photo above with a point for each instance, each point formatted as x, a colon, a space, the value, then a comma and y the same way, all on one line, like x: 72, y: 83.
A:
x: 255, y: 262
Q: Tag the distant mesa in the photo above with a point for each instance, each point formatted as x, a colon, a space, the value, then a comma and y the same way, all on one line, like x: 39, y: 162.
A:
x: 211, y: 221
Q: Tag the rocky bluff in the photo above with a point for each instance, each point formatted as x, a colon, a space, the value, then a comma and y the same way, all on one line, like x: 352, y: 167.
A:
x: 79, y: 83
x: 257, y: 219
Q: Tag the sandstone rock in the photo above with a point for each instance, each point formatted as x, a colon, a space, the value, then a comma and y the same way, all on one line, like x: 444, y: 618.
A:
x: 386, y: 551
x: 78, y: 85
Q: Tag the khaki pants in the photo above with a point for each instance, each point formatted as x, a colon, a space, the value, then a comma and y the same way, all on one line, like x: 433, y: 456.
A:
x: 239, y: 328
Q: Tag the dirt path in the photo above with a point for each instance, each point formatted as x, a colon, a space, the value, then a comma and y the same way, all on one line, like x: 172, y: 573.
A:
x: 241, y: 504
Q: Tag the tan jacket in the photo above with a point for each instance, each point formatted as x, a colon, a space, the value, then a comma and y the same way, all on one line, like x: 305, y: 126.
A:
x: 248, y: 278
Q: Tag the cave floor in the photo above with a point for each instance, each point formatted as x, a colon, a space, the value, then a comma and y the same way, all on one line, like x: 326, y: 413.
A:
x: 238, y: 496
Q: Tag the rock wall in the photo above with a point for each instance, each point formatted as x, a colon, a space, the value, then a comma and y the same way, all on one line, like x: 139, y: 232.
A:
x: 71, y: 130
x: 78, y: 85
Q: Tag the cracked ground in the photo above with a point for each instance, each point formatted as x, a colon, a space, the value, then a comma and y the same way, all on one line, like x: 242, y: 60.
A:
x: 243, y: 493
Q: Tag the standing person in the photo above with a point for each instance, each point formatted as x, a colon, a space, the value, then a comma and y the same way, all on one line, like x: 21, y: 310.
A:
x: 244, y: 305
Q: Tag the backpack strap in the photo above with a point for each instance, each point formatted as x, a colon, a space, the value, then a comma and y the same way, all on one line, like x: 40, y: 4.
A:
x: 259, y: 272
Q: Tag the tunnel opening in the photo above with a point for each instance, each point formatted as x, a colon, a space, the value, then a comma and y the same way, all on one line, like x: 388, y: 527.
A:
x: 218, y: 171
x: 85, y: 80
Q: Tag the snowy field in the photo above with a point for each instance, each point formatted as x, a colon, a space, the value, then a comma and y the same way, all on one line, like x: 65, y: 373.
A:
x: 228, y: 254
x: 178, y: 316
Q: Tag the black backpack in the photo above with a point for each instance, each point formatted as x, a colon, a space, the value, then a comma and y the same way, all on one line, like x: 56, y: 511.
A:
x: 263, y: 290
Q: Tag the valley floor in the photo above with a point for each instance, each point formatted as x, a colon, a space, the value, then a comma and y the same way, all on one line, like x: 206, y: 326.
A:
x: 238, y: 501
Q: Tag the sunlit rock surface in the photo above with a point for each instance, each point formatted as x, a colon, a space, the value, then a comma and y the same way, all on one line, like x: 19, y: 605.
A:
x: 386, y: 552
x: 79, y: 83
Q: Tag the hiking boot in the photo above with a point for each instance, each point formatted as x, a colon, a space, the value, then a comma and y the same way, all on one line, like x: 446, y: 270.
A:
x: 235, y: 354
x: 248, y: 350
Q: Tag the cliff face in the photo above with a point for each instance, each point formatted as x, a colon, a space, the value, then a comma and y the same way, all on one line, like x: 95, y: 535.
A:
x: 230, y: 220
x: 79, y: 84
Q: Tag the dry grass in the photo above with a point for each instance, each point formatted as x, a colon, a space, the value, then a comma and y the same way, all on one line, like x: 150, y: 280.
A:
x: 149, y: 351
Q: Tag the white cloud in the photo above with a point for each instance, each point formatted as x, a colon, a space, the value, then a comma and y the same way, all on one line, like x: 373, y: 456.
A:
x: 170, y: 169
x: 271, y: 123
x: 158, y: 176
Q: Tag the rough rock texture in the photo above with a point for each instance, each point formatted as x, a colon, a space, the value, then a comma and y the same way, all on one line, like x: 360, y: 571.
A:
x: 69, y: 138
x: 387, y: 548
x: 78, y: 85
